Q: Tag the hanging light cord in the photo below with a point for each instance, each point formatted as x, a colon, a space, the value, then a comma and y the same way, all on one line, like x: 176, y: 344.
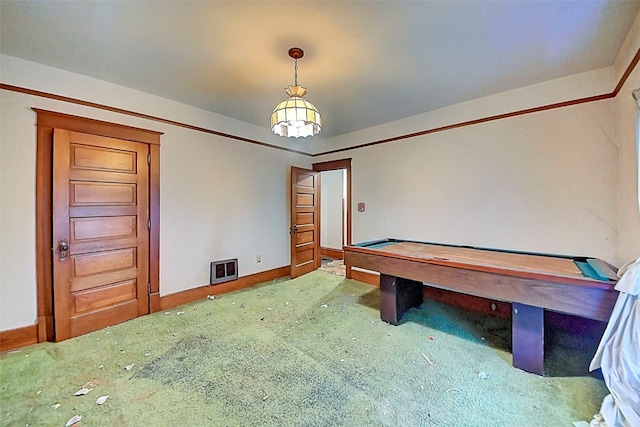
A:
x: 295, y: 67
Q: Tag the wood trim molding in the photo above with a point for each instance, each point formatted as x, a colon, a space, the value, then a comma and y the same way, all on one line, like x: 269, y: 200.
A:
x: 331, y: 253
x: 471, y: 122
x: 627, y: 73
x: 21, y: 337
x: 131, y: 113
x: 552, y: 106
x: 154, y: 302
x: 17, y: 338
x: 76, y: 101
x: 44, y: 233
x: 332, y: 165
x: 336, y: 165
x: 173, y: 300
x: 53, y: 119
x: 46, y: 122
x: 154, y: 217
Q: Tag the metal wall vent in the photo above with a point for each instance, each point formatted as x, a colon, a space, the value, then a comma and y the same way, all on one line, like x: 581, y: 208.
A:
x: 223, y: 271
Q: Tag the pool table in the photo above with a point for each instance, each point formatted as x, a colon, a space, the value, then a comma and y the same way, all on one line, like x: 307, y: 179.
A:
x: 531, y: 282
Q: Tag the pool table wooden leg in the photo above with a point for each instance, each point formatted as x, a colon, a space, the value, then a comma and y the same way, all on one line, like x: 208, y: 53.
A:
x: 528, y: 338
x: 397, y: 295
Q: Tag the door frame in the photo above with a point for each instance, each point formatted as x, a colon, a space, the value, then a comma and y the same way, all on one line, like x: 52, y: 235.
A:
x: 342, y: 164
x: 46, y: 122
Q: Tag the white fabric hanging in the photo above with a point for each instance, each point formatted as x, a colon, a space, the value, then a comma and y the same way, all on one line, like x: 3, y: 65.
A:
x: 618, y: 354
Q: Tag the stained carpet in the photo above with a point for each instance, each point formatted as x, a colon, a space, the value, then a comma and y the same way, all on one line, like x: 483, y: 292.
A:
x: 305, y: 352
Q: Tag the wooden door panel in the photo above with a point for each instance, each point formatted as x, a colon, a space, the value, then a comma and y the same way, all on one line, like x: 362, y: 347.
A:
x: 304, y: 218
x: 89, y: 175
x: 104, y: 143
x: 102, y: 194
x: 97, y: 269
x: 111, y: 227
x: 101, y: 209
x: 104, y: 296
x: 83, y: 157
x: 102, y: 262
x: 306, y: 179
x: 305, y: 256
x: 101, y: 245
x: 84, y: 323
x: 305, y: 200
x: 104, y: 211
x: 303, y: 237
x: 97, y: 280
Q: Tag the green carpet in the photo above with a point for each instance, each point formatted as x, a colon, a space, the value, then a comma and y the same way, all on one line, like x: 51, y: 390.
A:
x: 305, y: 352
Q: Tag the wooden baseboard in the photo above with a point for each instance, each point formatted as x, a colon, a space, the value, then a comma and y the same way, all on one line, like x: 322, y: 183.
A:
x: 154, y: 302
x: 45, y: 328
x: 173, y: 300
x: 331, y: 253
x: 20, y: 337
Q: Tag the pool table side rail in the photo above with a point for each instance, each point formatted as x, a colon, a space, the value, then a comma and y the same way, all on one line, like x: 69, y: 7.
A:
x: 390, y: 241
x: 600, y: 270
x: 581, y: 297
x: 530, y: 274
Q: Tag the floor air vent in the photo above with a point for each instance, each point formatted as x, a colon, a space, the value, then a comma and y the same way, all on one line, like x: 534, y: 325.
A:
x: 224, y: 271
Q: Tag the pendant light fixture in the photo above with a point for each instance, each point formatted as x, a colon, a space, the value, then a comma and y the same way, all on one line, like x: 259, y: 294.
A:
x: 296, y: 117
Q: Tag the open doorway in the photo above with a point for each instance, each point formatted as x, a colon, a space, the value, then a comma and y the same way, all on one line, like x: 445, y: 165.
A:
x: 335, y: 208
x: 333, y: 199
x: 305, y: 206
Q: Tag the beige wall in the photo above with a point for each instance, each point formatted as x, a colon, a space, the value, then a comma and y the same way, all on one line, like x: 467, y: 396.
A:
x: 17, y: 214
x: 561, y: 181
x: 219, y: 198
x: 543, y: 182
x: 627, y: 191
x: 626, y: 137
x: 557, y: 181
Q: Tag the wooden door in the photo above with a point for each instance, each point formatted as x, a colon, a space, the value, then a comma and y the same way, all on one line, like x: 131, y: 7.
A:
x: 100, y: 235
x: 305, y: 235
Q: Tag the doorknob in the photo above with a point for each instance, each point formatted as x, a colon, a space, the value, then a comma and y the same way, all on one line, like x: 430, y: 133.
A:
x: 63, y: 250
x: 294, y: 229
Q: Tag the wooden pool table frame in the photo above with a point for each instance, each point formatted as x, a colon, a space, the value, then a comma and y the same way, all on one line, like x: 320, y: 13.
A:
x: 531, y: 292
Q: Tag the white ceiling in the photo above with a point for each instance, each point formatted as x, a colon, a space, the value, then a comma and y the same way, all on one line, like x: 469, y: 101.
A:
x: 365, y: 63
